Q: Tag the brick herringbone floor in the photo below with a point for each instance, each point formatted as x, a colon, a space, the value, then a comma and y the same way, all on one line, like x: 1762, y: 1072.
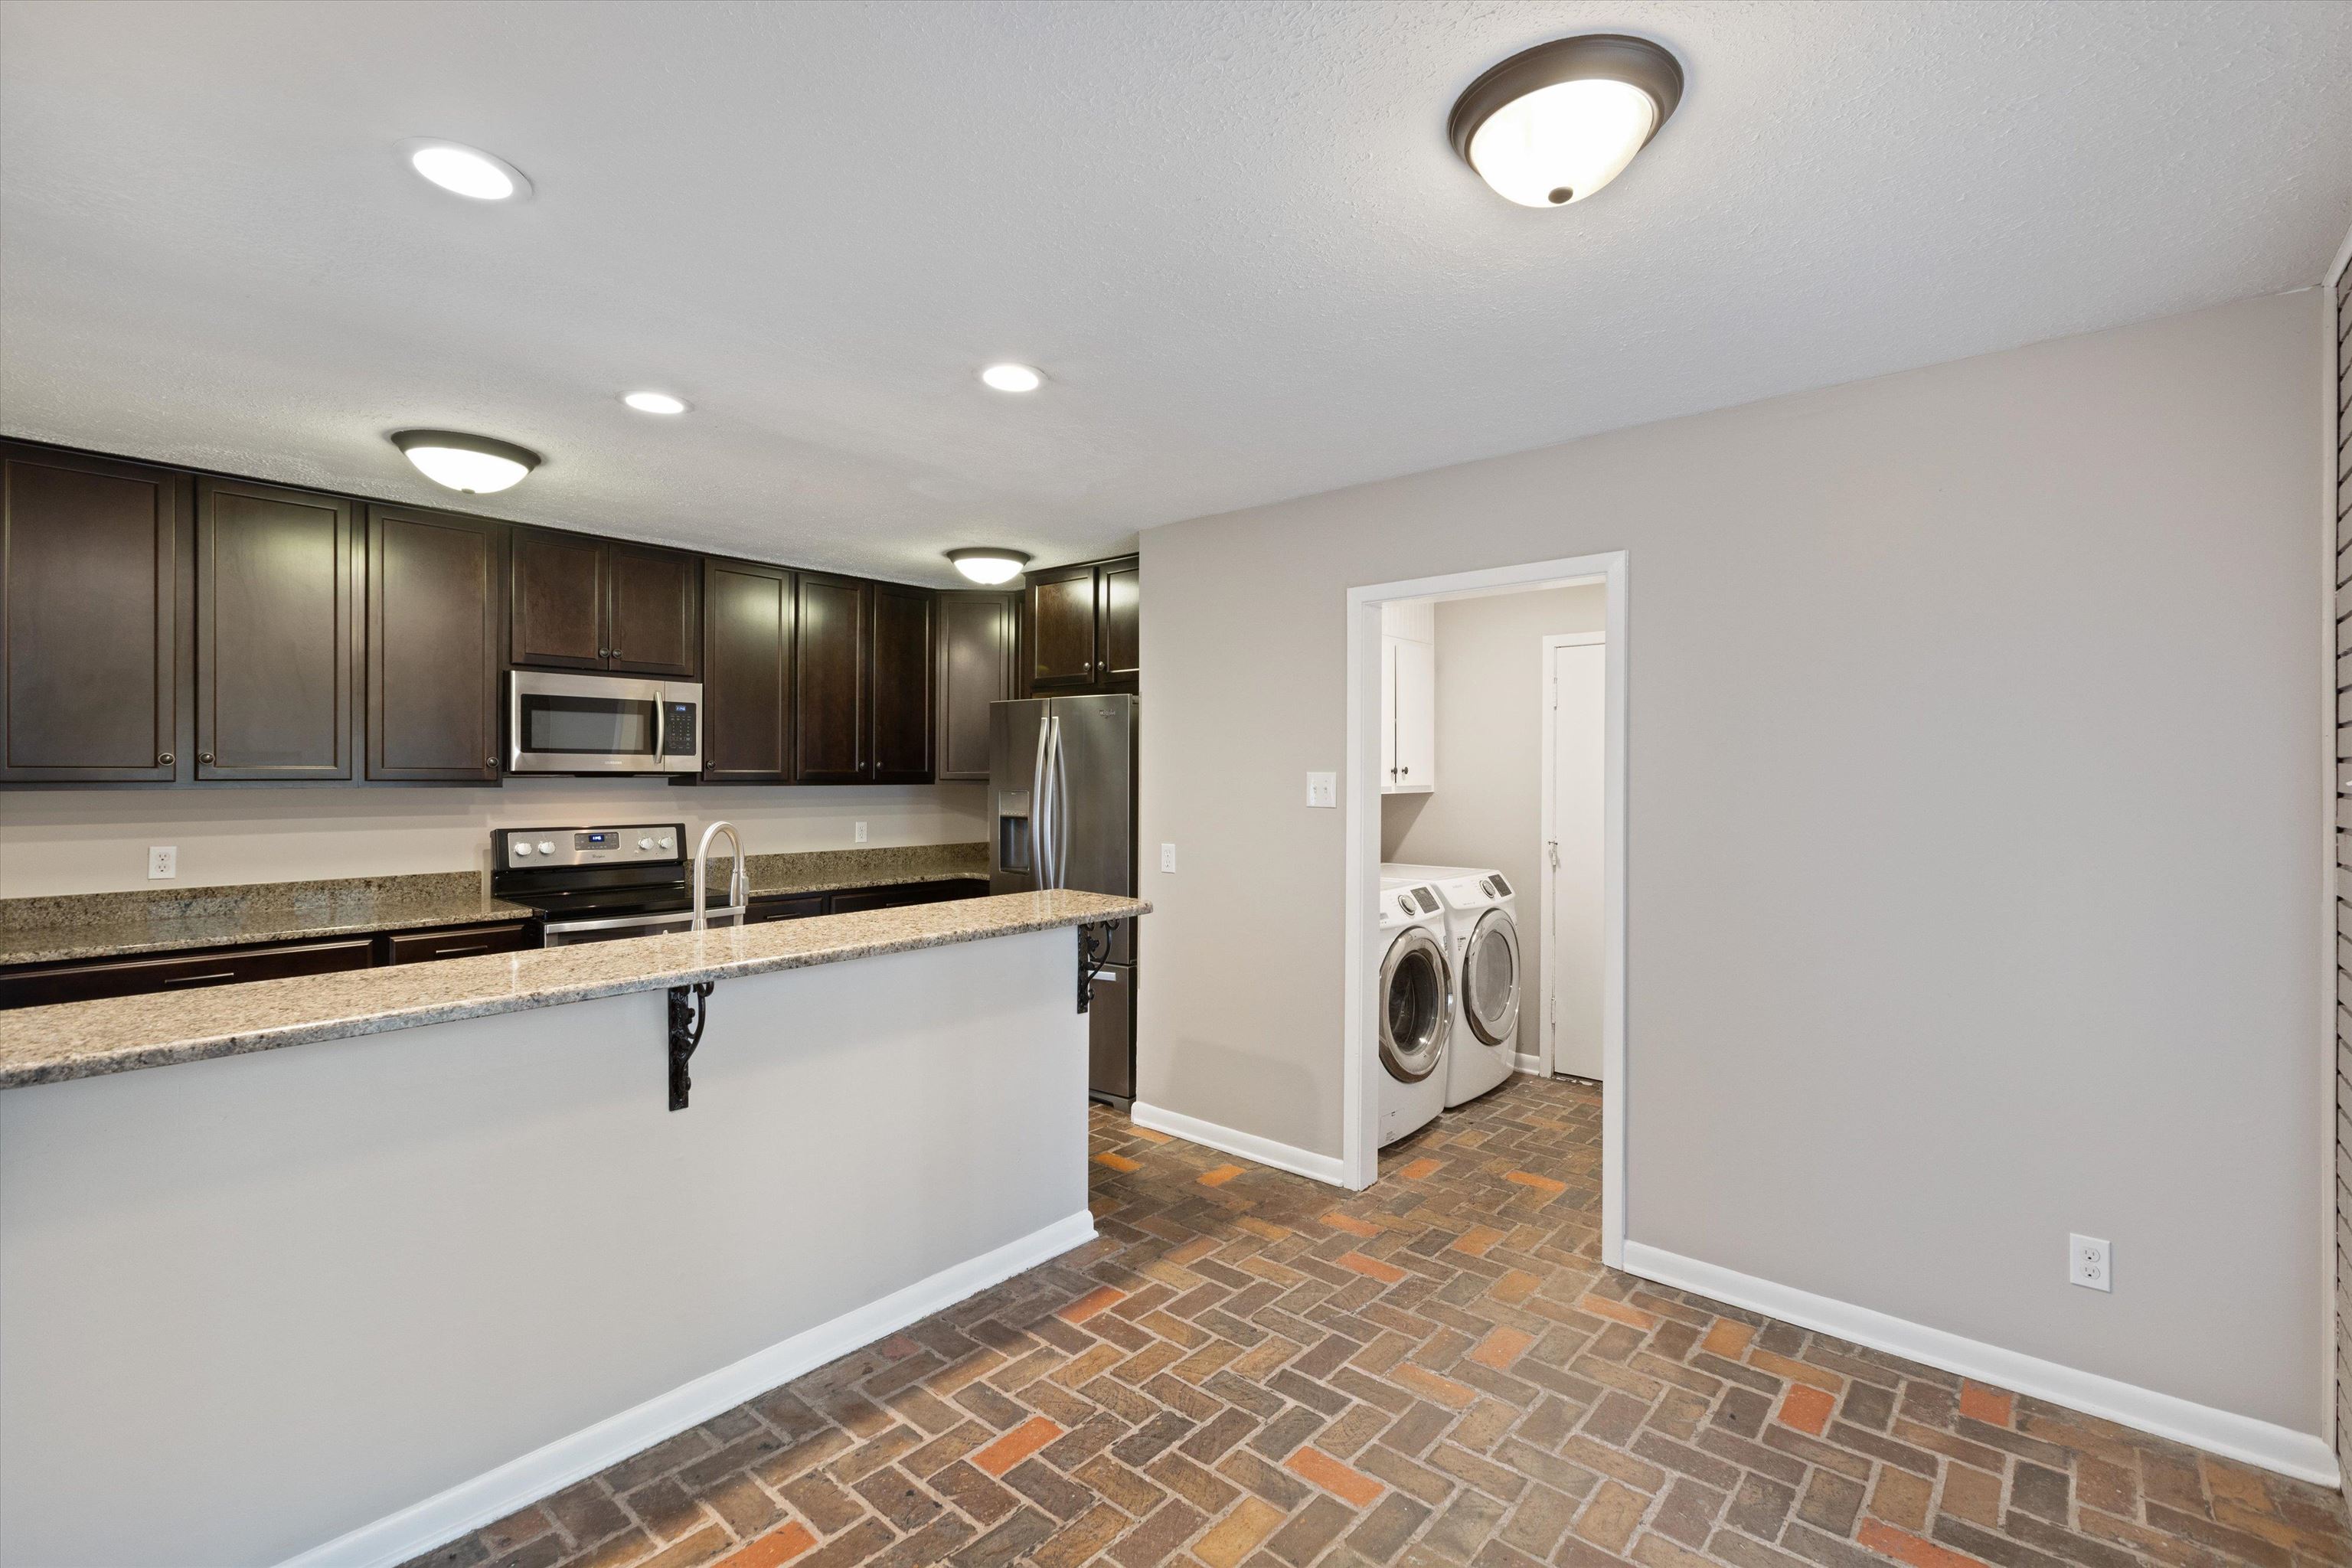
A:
x: 1248, y: 1368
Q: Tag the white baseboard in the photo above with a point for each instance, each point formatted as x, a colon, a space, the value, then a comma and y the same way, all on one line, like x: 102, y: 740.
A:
x: 1248, y: 1146
x: 1522, y: 1062
x: 2303, y: 1455
x: 397, y: 1537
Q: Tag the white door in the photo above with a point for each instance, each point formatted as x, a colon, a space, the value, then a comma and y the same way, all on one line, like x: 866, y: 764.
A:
x: 1580, y: 733
x: 1416, y: 715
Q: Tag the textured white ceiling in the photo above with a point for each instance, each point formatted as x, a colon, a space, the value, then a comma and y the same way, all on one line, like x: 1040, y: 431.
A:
x: 1231, y: 233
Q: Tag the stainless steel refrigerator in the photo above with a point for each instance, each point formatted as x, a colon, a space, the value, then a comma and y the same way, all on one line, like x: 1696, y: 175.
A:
x: 1061, y: 786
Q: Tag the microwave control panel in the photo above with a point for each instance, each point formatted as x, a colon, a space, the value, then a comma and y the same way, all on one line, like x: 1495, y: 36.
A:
x: 678, y: 729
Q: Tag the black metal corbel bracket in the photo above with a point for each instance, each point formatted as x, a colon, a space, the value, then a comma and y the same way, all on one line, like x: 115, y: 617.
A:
x: 689, y: 1009
x: 1094, y: 952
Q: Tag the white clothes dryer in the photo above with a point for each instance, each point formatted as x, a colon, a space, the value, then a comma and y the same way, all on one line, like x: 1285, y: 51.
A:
x: 1416, y: 1006
x: 1482, y: 912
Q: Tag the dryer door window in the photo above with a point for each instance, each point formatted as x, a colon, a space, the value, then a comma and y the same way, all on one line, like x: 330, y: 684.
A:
x: 1490, y: 979
x: 1416, y: 1007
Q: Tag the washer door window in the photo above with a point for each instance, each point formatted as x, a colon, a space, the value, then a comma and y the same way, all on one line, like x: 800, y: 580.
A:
x: 1416, y: 1007
x: 1490, y: 978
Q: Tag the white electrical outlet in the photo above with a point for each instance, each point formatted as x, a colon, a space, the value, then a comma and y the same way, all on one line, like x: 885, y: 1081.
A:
x: 1168, y: 857
x: 2090, y: 1263
x: 1323, y: 789
x: 861, y: 832
x: 163, y: 862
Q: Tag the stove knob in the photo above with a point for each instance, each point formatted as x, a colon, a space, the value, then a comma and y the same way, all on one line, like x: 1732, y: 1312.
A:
x: 644, y: 843
x: 545, y: 847
x: 666, y: 843
x: 520, y: 849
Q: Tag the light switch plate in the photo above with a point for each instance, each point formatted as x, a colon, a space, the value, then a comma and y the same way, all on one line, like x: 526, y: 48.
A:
x: 163, y: 862
x: 1323, y: 789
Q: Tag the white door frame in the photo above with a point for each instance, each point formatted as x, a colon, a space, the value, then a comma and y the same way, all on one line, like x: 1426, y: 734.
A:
x: 1359, y: 1128
x: 1547, y: 1026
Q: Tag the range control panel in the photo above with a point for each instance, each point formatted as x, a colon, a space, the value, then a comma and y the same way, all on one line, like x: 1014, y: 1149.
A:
x: 522, y: 846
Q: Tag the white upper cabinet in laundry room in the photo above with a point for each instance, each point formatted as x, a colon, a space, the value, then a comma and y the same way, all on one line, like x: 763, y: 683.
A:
x: 1408, y: 698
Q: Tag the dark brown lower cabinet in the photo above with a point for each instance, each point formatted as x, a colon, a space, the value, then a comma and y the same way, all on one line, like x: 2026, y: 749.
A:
x: 181, y: 972
x: 464, y: 942
x: 850, y: 900
x: 92, y: 580
x: 433, y: 646
x: 901, y: 684
x: 275, y: 578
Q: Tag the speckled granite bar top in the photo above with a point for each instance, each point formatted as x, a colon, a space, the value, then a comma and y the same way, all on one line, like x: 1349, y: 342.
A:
x: 830, y: 871
x: 86, y: 1039
x: 105, y: 925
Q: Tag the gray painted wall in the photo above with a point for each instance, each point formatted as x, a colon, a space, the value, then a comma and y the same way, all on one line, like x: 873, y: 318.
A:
x: 2342, y: 333
x: 253, y: 1303
x: 1973, y: 805
x: 1487, y: 809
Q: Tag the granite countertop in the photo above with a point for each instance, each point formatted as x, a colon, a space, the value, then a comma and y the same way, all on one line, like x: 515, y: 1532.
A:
x: 108, y: 925
x: 119, y: 1034
x: 830, y: 871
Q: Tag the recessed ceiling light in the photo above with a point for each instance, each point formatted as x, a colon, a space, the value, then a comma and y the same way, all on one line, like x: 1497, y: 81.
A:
x: 474, y: 465
x: 1011, y: 377
x: 1553, y: 124
x: 655, y: 402
x: 986, y: 563
x: 468, y: 171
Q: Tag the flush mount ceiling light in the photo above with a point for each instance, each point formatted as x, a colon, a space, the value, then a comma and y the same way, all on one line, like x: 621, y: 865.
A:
x: 986, y: 563
x: 1553, y: 124
x: 467, y: 170
x: 1012, y: 377
x: 655, y: 402
x: 475, y: 465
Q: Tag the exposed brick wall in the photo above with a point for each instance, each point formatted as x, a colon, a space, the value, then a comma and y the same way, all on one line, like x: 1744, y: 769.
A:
x: 2344, y: 863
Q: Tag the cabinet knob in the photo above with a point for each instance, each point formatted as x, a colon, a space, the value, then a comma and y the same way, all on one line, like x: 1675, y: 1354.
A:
x: 164, y: 759
x: 489, y: 762
x: 204, y: 756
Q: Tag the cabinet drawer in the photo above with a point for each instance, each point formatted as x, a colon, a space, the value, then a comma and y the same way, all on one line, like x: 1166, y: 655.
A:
x: 131, y: 977
x: 465, y: 941
x: 799, y: 906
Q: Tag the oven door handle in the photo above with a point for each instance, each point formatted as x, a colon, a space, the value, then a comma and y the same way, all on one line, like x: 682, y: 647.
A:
x: 565, y: 928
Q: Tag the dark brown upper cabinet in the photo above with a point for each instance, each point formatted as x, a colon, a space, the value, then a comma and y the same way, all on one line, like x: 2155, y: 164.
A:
x: 832, y: 636
x: 433, y: 640
x: 747, y: 673
x: 979, y: 663
x: 276, y: 626
x: 901, y: 684
x: 1084, y: 625
x: 597, y: 604
x: 92, y: 619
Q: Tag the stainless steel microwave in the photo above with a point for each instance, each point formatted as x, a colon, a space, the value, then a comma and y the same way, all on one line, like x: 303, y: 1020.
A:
x: 602, y: 724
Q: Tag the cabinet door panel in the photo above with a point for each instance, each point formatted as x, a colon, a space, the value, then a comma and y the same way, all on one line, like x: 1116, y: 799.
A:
x: 656, y: 603
x: 559, y: 600
x: 273, y: 633
x: 1121, y: 601
x: 747, y: 667
x: 181, y: 972
x: 831, y: 635
x: 1062, y: 618
x: 976, y: 667
x: 1416, y: 715
x: 1389, y: 715
x: 465, y: 942
x: 433, y: 646
x: 90, y: 617
x: 901, y: 684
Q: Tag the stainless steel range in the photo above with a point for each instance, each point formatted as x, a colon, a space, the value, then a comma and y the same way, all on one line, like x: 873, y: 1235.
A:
x: 600, y: 884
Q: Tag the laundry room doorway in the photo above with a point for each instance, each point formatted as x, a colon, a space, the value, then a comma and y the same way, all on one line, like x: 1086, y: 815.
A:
x: 1455, y: 678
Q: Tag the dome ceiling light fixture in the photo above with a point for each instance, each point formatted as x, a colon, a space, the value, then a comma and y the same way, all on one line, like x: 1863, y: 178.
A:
x: 1010, y: 377
x: 1553, y: 124
x: 471, y: 465
x: 465, y: 171
x: 987, y: 564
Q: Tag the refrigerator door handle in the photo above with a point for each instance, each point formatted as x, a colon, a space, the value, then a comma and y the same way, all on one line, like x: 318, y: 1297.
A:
x: 1061, y: 810
x: 1041, y: 804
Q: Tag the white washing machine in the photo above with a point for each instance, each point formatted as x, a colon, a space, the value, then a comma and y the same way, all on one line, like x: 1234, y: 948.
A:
x: 1415, y: 1002
x: 1482, y: 911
